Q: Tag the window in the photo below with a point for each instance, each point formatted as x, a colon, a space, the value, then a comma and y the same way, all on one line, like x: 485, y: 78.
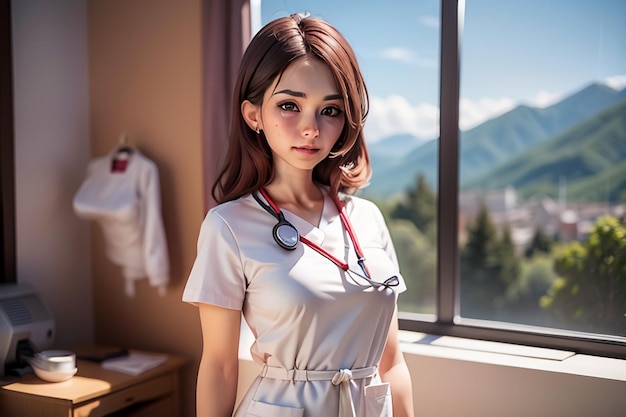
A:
x: 542, y: 184
x: 509, y: 222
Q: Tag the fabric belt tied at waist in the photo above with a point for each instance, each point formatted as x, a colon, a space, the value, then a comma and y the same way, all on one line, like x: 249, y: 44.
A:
x: 341, y: 377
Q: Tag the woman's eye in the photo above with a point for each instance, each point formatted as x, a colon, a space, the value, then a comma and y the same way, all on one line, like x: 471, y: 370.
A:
x: 289, y: 106
x: 331, y: 111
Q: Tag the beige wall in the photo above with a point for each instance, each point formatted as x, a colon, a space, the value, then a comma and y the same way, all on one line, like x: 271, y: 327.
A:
x: 146, y: 79
x: 51, y: 101
x: 475, y: 384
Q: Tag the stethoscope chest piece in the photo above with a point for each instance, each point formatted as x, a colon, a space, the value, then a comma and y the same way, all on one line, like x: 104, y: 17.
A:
x: 285, y: 234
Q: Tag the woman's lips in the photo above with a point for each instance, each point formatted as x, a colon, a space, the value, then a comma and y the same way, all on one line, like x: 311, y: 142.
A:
x: 305, y: 149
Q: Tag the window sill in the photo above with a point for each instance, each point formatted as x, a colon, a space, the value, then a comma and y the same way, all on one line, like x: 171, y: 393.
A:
x: 505, y: 354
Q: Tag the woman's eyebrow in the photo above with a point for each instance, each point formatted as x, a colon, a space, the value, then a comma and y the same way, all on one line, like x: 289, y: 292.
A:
x: 291, y: 93
x: 301, y: 94
x: 334, y: 97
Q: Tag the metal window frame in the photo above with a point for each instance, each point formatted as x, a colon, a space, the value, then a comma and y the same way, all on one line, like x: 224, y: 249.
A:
x: 448, y: 322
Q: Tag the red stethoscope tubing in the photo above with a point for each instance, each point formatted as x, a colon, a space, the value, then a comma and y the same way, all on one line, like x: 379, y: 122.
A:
x: 346, y: 224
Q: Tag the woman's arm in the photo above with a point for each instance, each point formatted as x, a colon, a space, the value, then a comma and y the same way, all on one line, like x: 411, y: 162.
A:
x: 218, y: 373
x: 393, y: 369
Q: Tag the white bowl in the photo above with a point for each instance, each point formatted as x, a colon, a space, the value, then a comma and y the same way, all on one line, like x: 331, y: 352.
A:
x: 54, y: 376
x: 55, y: 360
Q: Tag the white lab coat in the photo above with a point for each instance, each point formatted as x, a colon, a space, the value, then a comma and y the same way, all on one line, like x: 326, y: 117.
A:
x: 127, y: 205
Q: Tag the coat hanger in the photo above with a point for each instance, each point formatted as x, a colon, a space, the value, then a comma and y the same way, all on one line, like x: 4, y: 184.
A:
x: 124, y: 147
x: 122, y: 154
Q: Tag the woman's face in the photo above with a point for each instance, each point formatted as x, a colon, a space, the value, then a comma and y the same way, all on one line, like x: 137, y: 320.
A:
x: 302, y: 115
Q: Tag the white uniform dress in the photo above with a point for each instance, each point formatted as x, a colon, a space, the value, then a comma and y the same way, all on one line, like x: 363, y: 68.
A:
x: 319, y: 332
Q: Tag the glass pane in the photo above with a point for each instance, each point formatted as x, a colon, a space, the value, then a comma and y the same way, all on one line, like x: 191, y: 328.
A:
x: 542, y: 231
x: 397, y: 44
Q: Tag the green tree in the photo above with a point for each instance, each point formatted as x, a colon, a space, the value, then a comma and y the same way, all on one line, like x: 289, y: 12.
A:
x: 590, y: 294
x: 418, y: 264
x: 523, y: 296
x: 419, y: 206
x: 489, y: 266
x: 541, y: 243
x: 510, y: 263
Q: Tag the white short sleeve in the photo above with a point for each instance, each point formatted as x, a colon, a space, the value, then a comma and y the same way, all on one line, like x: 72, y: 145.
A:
x: 217, y: 275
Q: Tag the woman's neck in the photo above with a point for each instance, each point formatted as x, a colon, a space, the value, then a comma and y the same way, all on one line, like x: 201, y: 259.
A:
x: 304, y: 199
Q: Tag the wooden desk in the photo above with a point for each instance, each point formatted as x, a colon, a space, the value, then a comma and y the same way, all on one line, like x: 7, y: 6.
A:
x: 95, y: 392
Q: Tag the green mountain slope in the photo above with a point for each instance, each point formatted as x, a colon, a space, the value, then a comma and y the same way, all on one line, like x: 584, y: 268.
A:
x: 590, y: 157
x: 492, y: 142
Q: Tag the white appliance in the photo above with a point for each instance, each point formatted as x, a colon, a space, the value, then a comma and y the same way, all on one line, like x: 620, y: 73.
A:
x: 26, y: 327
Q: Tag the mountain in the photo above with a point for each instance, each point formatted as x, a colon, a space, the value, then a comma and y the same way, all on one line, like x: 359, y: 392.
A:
x: 392, y: 148
x: 522, y: 128
x: 396, y: 145
x: 492, y: 142
x: 591, y: 157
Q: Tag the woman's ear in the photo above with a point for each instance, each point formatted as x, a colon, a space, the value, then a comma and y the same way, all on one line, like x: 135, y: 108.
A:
x: 252, y: 115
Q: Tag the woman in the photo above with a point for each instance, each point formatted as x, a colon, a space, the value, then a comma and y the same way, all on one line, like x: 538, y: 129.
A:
x: 311, y: 267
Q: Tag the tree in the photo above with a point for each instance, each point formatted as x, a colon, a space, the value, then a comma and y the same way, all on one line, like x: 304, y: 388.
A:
x: 419, y: 206
x: 489, y: 266
x: 413, y: 228
x: 510, y: 263
x: 541, y: 243
x: 418, y: 264
x: 590, y: 294
x: 524, y: 295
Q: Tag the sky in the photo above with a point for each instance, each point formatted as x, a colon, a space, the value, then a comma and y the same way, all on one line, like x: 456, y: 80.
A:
x: 532, y: 52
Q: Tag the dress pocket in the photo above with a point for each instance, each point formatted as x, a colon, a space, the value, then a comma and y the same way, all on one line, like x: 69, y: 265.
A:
x: 259, y: 409
x: 378, y: 400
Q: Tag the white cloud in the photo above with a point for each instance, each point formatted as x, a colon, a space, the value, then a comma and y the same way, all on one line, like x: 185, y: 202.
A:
x: 395, y: 115
x: 616, y: 82
x: 545, y: 98
x: 472, y: 113
x: 398, y: 54
x: 475, y: 112
x: 408, y: 57
x: 429, y: 21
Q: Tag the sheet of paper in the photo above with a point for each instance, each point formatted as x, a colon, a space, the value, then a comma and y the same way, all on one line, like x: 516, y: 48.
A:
x: 134, y: 363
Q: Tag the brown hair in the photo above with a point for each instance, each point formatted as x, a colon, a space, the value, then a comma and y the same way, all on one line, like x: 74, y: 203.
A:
x: 248, y: 162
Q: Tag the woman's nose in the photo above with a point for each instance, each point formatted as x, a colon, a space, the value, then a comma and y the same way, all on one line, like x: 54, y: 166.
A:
x: 310, y: 127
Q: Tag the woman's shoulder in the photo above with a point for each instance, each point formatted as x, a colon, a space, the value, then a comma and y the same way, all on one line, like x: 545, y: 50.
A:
x: 231, y: 209
x: 226, y: 218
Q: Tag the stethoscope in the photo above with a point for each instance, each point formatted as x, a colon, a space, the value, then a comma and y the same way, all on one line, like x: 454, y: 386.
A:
x: 287, y: 237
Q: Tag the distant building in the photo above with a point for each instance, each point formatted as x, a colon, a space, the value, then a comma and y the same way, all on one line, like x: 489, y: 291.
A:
x: 560, y: 220
x: 568, y: 226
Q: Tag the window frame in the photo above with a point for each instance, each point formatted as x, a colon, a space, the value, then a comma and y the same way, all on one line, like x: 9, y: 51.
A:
x: 7, y: 164
x: 448, y: 321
